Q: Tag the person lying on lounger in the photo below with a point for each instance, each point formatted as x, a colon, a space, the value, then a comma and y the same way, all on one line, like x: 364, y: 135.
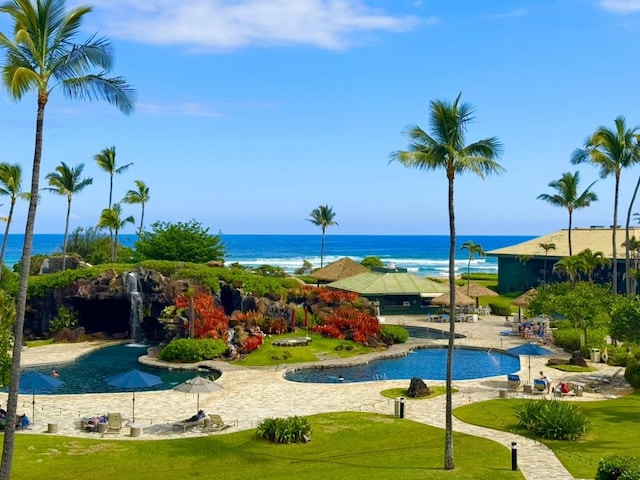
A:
x: 198, y: 416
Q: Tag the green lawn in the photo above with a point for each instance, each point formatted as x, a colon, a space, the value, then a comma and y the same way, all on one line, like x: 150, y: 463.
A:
x: 344, y: 445
x: 614, y: 430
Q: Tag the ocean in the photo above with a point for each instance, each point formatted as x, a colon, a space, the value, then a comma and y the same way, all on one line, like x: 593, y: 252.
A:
x: 424, y: 255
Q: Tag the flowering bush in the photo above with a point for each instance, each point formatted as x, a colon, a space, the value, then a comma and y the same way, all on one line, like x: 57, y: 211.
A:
x: 328, y: 331
x: 352, y: 323
x: 252, y: 343
x: 210, y: 320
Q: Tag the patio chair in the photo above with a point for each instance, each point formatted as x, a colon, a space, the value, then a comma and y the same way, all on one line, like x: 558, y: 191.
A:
x: 513, y: 381
x: 595, y: 383
x: 114, y: 424
x: 539, y: 385
x: 189, y: 423
x: 217, y: 424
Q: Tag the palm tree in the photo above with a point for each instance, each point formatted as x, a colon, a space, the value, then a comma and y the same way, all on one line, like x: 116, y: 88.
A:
x: 546, y: 247
x: 570, y: 267
x: 611, y: 151
x: 41, y: 55
x: 10, y: 185
x: 444, y: 149
x: 106, y: 160
x: 322, y: 217
x: 567, y: 196
x: 67, y: 181
x: 111, y: 218
x: 633, y: 245
x: 473, y: 249
x: 592, y: 260
x: 140, y: 196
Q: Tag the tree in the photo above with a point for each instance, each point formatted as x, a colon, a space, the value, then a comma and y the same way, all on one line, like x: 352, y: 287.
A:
x: 567, y: 197
x: 524, y: 259
x: 322, y: 217
x: 633, y: 246
x: 591, y: 261
x: 67, y: 181
x: 140, y: 196
x: 473, y: 249
x: 569, y: 267
x: 611, y: 151
x: 625, y: 321
x: 305, y: 269
x: 43, y: 55
x: 10, y: 185
x: 372, y: 261
x: 7, y: 317
x: 546, y: 247
x: 111, y: 218
x: 106, y: 160
x: 445, y: 149
x: 187, y: 242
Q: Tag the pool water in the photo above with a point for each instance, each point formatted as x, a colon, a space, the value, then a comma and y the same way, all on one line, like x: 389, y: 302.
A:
x: 426, y: 363
x: 428, y: 333
x: 88, y: 374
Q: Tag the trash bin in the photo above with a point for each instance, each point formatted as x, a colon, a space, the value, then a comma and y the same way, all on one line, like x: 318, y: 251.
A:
x: 474, y: 317
x: 52, y: 428
x: 527, y: 388
x: 135, y: 430
x: 595, y: 355
x: 504, y: 393
x: 102, y: 427
x: 396, y: 407
x: 579, y: 391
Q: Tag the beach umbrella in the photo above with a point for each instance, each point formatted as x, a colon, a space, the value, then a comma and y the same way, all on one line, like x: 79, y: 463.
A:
x: 132, y: 380
x: 33, y: 382
x: 475, y: 290
x: 529, y: 349
x: 524, y: 300
x: 444, y: 300
x: 198, y: 385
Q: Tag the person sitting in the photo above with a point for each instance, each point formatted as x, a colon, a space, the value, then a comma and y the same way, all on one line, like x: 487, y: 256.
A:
x: 563, y: 387
x: 22, y: 421
x: 198, y: 416
x: 54, y: 374
x: 546, y: 380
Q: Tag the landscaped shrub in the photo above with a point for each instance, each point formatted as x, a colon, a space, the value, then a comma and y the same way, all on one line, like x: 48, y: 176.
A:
x: 252, y: 343
x: 500, y: 310
x: 285, y: 430
x: 567, y: 338
x: 192, y: 350
x: 209, y: 318
x: 354, y: 324
x: 617, y: 355
x: 632, y: 374
x: 391, y: 334
x: 66, y: 318
x: 618, y: 467
x: 552, y: 419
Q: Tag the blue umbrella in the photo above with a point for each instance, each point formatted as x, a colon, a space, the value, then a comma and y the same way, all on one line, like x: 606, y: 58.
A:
x: 529, y: 349
x: 33, y: 382
x: 131, y: 380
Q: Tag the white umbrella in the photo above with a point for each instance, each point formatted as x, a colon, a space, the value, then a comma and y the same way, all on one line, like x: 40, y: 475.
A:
x: 198, y: 385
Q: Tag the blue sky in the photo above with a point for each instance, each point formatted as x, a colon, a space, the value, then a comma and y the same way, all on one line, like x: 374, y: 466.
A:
x: 251, y: 113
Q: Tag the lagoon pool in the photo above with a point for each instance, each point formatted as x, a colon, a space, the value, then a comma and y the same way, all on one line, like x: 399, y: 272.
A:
x: 426, y: 363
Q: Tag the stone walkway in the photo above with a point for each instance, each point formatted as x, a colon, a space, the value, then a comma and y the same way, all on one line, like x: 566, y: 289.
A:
x: 251, y: 394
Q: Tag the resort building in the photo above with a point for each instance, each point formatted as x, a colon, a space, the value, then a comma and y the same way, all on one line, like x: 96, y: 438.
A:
x: 527, y: 264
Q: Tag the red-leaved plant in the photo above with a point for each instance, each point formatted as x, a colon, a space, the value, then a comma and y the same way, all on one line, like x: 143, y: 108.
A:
x: 210, y: 320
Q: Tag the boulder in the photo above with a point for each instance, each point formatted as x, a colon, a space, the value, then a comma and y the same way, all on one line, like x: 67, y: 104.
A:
x: 577, y: 359
x: 66, y: 335
x: 417, y: 388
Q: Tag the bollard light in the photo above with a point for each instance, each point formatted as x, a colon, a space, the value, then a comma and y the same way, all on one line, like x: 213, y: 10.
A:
x: 514, y: 456
x: 401, y: 407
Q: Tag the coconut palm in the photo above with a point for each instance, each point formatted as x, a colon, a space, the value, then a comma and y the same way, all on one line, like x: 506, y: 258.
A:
x: 546, y: 247
x: 567, y: 197
x: 40, y: 56
x: 10, y: 185
x: 611, y: 151
x: 592, y: 260
x: 322, y: 217
x: 67, y: 181
x: 473, y: 249
x: 633, y: 246
x: 106, y: 160
x: 569, y: 267
x: 111, y: 218
x: 444, y: 149
x: 140, y: 196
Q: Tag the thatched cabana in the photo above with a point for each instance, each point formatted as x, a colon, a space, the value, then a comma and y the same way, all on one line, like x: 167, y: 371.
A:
x: 343, y: 268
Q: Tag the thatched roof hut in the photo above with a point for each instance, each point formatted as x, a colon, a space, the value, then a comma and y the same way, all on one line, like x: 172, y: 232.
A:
x: 343, y: 268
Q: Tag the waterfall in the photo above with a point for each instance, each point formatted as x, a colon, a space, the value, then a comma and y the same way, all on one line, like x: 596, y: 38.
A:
x: 135, y: 314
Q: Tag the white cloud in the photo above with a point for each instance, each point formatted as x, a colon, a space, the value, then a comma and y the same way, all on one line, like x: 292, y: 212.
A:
x: 232, y: 24
x: 518, y: 12
x: 620, y: 6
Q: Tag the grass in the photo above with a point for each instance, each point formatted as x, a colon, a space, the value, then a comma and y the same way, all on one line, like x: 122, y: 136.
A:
x: 614, y: 429
x: 39, y: 343
x: 402, y: 392
x: 358, y: 446
x: 572, y: 368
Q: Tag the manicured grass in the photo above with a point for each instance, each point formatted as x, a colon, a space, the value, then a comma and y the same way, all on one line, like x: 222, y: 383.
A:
x: 572, y: 368
x: 318, y: 349
x: 357, y: 446
x: 402, y: 392
x: 39, y: 343
x: 614, y: 430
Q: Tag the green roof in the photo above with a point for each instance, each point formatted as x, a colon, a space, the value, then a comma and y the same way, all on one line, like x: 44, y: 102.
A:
x: 391, y: 283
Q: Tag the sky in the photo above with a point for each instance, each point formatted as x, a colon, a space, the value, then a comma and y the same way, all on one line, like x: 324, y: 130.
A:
x: 251, y: 113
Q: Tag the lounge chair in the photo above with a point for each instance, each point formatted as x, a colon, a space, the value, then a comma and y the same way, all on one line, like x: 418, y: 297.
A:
x: 539, y: 385
x: 217, y: 424
x: 596, y: 382
x: 187, y: 424
x: 114, y: 423
x: 513, y: 381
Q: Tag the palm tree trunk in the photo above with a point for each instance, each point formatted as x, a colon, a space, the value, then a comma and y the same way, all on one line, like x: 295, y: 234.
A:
x: 141, y: 220
x: 14, y: 385
x: 614, y: 269
x: 322, y: 248
x: 627, y: 260
x: 569, y: 231
x: 115, y: 246
x: 66, y: 233
x: 6, y: 236
x: 448, y: 440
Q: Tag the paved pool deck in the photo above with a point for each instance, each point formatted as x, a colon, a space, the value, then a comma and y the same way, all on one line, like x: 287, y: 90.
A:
x: 251, y: 394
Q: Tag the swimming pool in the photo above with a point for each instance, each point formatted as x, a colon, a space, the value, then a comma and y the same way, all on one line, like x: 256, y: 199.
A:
x: 88, y: 374
x: 426, y: 363
x: 429, y: 333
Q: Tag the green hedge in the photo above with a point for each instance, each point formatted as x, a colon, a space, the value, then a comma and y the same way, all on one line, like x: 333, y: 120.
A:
x: 187, y: 350
x: 391, y: 334
x: 618, y: 467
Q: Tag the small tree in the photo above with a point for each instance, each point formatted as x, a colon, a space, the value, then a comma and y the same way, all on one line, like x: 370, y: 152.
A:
x: 371, y: 262
x: 546, y: 247
x: 474, y: 249
x: 322, y: 217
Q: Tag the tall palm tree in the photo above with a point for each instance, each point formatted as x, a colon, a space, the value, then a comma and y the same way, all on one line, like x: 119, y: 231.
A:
x: 42, y: 54
x: 631, y: 283
x: 444, y: 149
x: 140, y: 196
x: 473, y: 248
x: 634, y: 249
x: 106, y: 160
x: 567, y: 197
x: 67, y: 181
x: 10, y: 185
x: 322, y: 217
x: 611, y: 151
x: 546, y: 247
x: 111, y: 218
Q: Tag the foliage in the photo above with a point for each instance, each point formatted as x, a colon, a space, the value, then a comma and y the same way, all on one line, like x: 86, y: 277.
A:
x: 9, y: 281
x: 402, y: 392
x: 270, y: 271
x: 284, y: 430
x: 305, y: 269
x: 188, y: 242
x: 632, y: 374
x: 353, y: 324
x: 371, y: 262
x: 618, y: 467
x: 567, y: 338
x: 392, y: 334
x: 255, y: 284
x: 95, y: 247
x: 188, y: 350
x: 499, y: 309
x: 552, y: 419
x: 252, y: 343
x: 210, y: 320
x: 322, y: 217
x: 34, y: 265
x: 7, y: 317
x: 65, y: 318
x: 625, y: 321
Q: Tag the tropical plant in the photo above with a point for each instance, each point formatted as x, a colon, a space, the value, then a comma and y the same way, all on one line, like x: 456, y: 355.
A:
x: 209, y: 319
x: 591, y: 261
x: 284, y: 430
x: 372, y: 261
x: 322, y: 217
x: 111, y: 218
x: 106, y: 160
x: 65, y: 318
x: 305, y: 269
x: 633, y: 273
x: 10, y: 185
x: 569, y: 267
x: 546, y: 247
x: 7, y: 317
x: 611, y: 151
x: 567, y: 197
x: 552, y: 419
x: 474, y: 249
x: 41, y: 55
x: 524, y: 259
x: 445, y: 149
x: 140, y: 196
x: 67, y: 181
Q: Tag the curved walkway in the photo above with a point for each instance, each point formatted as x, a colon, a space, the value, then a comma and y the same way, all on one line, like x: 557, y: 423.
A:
x: 251, y: 394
